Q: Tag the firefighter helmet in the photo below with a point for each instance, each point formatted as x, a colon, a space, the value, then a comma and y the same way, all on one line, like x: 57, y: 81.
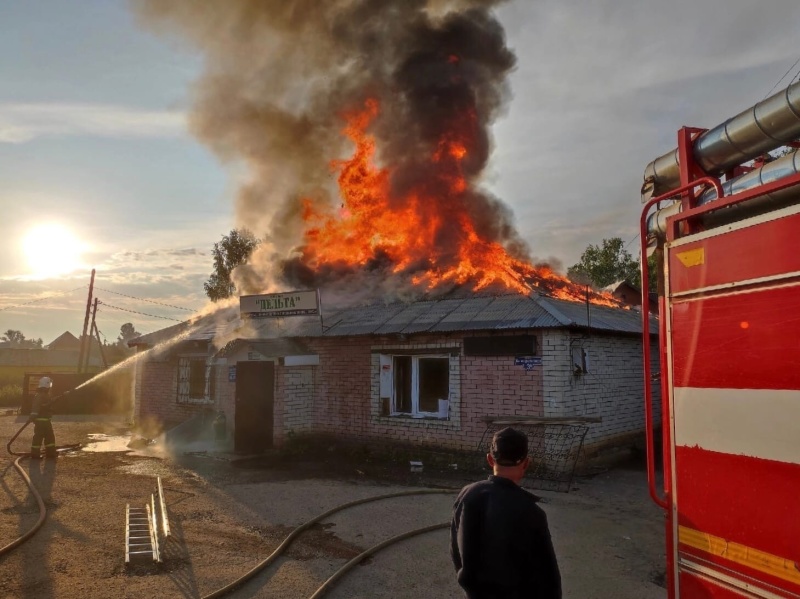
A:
x: 45, y: 382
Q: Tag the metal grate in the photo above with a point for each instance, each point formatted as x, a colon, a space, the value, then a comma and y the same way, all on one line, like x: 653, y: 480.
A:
x: 553, y: 445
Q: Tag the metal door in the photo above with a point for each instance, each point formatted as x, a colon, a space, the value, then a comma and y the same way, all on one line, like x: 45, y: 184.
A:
x: 734, y: 341
x: 255, y: 395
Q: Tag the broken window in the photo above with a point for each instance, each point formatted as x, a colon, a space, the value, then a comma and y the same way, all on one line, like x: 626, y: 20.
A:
x: 417, y: 385
x: 195, y: 380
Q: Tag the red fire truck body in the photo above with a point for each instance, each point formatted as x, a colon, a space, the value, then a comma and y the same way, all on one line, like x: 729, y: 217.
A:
x: 728, y: 249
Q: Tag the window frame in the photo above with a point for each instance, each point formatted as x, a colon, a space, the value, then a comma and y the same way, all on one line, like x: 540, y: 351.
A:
x: 184, y: 380
x: 415, y: 381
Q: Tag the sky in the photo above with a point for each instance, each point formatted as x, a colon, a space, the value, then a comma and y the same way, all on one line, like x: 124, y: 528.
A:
x: 93, y: 139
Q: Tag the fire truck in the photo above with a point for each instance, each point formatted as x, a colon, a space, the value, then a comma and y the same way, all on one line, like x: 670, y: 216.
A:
x: 721, y: 216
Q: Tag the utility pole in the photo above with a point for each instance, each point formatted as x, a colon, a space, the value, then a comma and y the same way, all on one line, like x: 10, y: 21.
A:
x: 99, y: 343
x: 89, y: 341
x: 85, y: 336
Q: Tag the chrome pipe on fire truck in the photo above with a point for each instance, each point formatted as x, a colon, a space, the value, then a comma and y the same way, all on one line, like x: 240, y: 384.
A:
x: 783, y: 167
x: 768, y: 125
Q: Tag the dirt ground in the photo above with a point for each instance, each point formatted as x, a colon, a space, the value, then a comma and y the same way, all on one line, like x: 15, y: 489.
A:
x: 228, y: 516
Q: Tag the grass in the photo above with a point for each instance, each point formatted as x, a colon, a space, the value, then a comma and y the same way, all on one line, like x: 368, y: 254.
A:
x: 10, y: 395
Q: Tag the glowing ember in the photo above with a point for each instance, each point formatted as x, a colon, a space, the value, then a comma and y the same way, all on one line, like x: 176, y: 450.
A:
x: 429, y: 234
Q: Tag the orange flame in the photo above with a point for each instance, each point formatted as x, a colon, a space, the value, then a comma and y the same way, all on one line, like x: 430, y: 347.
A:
x: 372, y: 225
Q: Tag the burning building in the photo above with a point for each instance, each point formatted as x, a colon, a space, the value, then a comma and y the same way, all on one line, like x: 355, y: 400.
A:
x: 363, y: 127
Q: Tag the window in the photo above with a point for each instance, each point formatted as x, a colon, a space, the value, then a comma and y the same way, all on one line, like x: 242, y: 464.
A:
x: 506, y: 345
x: 195, y: 380
x: 418, y: 383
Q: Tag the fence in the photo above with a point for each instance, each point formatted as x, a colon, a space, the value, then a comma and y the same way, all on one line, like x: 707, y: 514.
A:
x: 554, y: 446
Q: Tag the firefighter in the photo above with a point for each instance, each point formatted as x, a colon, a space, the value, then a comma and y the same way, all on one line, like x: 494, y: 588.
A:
x: 41, y: 413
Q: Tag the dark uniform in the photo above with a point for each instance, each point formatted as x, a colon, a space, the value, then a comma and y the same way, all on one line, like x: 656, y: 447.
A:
x: 500, y: 543
x: 41, y: 413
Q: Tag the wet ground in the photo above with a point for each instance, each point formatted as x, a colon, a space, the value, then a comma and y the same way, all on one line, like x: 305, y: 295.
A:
x: 229, y: 513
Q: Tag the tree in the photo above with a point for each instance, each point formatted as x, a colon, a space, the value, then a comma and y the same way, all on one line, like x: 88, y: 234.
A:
x: 605, y: 264
x: 234, y: 249
x: 127, y: 332
x: 17, y: 339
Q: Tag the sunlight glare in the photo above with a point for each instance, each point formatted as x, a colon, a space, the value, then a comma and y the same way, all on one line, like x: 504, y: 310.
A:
x: 52, y: 250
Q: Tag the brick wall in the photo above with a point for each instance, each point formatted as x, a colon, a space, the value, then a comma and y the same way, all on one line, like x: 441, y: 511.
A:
x: 611, y: 389
x: 157, y: 387
x: 342, y: 394
x: 298, y: 398
x: 347, y: 399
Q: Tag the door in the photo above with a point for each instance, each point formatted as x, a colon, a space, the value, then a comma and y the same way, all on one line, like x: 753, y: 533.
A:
x: 734, y: 323
x: 255, y: 395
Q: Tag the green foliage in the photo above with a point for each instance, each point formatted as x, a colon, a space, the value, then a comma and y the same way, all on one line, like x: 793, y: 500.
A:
x: 605, y: 264
x: 10, y: 395
x: 652, y: 272
x: 234, y: 249
x: 17, y: 339
x: 127, y: 332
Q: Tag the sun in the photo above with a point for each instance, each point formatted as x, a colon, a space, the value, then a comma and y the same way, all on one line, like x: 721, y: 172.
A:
x: 52, y: 250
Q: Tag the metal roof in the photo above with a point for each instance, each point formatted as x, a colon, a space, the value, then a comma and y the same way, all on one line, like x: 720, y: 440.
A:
x: 470, y: 313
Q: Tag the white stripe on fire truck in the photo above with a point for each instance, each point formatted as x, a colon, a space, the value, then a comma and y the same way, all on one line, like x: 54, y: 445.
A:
x: 760, y: 423
x: 741, y: 224
x: 781, y: 280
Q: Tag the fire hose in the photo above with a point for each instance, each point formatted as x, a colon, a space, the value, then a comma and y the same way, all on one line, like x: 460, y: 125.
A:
x: 329, y: 583
x: 372, y: 550
x: 42, y: 510
x: 24, y: 426
x: 349, y: 565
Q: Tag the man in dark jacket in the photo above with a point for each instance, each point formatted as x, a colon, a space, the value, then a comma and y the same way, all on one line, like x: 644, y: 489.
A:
x: 499, y: 539
x: 41, y: 413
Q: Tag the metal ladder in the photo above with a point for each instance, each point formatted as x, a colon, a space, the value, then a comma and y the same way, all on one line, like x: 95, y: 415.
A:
x: 141, y: 529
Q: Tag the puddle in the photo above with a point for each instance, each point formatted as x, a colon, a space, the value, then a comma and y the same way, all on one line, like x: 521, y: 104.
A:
x: 135, y: 445
x: 101, y: 443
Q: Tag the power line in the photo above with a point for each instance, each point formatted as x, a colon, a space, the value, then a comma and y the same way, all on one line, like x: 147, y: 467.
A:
x: 41, y: 299
x: 144, y: 299
x: 99, y: 332
x: 140, y: 333
x: 795, y: 77
x: 140, y: 313
x: 789, y: 70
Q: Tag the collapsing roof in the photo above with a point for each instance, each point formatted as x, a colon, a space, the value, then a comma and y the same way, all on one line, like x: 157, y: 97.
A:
x: 471, y: 313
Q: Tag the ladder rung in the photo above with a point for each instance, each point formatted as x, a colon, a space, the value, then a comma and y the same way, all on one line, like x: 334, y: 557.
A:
x: 141, y: 529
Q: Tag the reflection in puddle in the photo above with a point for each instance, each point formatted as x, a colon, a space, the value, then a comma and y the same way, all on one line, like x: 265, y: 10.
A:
x: 135, y: 445
x: 101, y: 443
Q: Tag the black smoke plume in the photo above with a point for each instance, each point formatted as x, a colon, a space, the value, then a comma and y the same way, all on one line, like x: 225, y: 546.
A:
x: 279, y: 75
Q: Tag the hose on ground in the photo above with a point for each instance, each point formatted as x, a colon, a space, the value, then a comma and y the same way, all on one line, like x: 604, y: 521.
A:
x: 42, y: 510
x: 14, y: 438
x: 275, y: 554
x: 306, y: 525
x: 372, y: 550
x: 26, y: 454
x: 34, y: 492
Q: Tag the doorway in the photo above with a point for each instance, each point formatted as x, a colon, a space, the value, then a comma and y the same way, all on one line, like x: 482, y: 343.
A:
x: 255, y: 395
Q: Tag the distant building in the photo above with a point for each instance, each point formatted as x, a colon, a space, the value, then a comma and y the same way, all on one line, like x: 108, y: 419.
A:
x: 65, y: 341
x: 630, y: 295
